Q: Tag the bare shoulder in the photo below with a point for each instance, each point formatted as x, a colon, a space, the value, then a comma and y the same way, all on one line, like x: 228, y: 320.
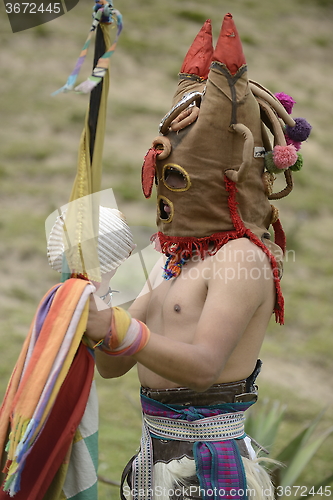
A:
x: 240, y: 250
x: 241, y: 267
x: 242, y: 254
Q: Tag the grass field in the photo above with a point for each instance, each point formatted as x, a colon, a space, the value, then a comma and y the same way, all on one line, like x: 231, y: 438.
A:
x: 289, y: 48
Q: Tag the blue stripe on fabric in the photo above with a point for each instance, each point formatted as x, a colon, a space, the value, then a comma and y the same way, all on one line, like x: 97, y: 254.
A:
x: 214, y: 476
x: 91, y: 443
x: 199, y: 468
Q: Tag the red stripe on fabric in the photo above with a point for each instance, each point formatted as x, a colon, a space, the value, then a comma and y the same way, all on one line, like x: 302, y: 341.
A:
x: 51, y: 447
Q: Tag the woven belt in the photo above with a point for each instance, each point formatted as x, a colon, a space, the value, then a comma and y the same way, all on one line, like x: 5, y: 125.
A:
x: 216, y: 428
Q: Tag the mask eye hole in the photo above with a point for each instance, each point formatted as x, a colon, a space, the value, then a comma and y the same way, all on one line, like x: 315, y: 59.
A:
x: 165, y: 209
x: 175, y: 177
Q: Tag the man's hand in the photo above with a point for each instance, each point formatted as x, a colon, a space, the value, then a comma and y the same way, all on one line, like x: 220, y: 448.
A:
x: 99, y: 319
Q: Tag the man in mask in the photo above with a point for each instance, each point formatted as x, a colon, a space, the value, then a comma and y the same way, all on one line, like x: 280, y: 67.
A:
x: 196, y: 329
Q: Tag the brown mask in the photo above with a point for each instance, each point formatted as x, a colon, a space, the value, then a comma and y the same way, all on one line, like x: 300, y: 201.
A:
x: 209, y: 161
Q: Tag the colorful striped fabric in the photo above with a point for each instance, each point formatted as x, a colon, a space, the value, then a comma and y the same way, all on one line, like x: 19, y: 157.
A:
x: 220, y: 470
x: 81, y: 474
x: 37, y: 389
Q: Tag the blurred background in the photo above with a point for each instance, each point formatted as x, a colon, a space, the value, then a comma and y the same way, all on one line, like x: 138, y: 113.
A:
x: 289, y: 48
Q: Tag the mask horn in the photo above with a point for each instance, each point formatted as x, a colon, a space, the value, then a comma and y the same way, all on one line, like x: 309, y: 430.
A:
x: 185, y: 102
x: 228, y: 48
x: 199, y: 56
x: 240, y: 174
x: 163, y: 146
x: 195, y: 68
x: 279, y: 139
x: 266, y: 95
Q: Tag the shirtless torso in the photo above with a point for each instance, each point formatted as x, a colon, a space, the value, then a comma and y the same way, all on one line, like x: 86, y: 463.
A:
x: 207, y: 325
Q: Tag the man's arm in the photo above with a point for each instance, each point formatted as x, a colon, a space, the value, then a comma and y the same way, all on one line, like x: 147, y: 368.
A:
x: 99, y: 322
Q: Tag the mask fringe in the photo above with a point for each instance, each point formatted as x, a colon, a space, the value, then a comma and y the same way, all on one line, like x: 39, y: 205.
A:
x: 183, y: 248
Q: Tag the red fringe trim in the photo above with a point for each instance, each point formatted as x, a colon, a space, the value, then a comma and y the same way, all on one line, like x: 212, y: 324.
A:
x: 238, y: 223
x: 183, y: 247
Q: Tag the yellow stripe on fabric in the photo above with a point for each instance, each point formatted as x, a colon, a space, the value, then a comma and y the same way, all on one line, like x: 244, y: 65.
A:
x: 122, y: 321
x: 14, y: 383
x: 77, y: 436
x: 68, y: 361
x: 66, y: 299
x: 87, y: 182
x: 55, y: 490
x: 26, y: 399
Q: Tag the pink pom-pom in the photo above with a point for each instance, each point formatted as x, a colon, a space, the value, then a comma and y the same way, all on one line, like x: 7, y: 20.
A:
x: 297, y: 144
x: 286, y: 100
x: 284, y: 156
x: 300, y: 132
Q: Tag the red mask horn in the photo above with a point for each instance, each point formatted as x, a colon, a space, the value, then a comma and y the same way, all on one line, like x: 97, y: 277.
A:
x: 229, y: 49
x: 199, y: 56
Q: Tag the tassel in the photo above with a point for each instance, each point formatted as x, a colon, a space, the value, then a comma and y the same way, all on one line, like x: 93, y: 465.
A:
x: 104, y: 14
x: 103, y: 63
x: 280, y: 237
x: 173, y: 267
x: 69, y: 85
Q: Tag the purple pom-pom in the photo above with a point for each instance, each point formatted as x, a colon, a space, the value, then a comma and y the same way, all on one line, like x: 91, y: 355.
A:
x: 300, y: 132
x: 286, y: 100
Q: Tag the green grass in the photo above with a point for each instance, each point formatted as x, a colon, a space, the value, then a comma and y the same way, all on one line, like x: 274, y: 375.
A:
x: 288, y: 47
